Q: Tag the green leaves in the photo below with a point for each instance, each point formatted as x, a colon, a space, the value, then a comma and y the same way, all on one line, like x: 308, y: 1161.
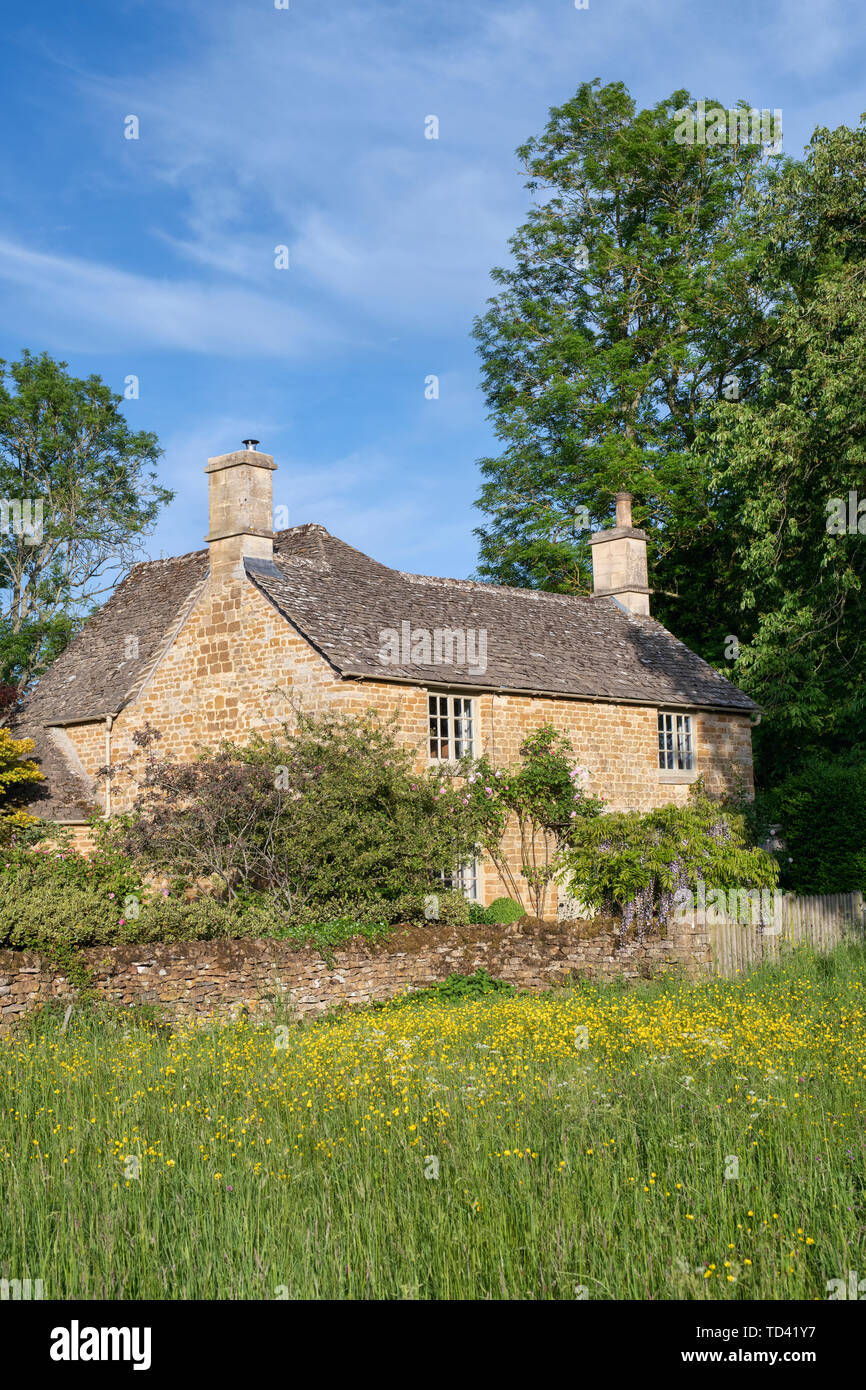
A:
x: 542, y: 799
x: 619, y: 861
x: 781, y: 456
x: 329, y: 811
x: 65, y: 449
x: 822, y: 810
x: 629, y: 299
x: 688, y: 322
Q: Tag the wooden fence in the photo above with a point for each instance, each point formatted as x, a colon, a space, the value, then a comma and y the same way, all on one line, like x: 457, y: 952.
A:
x: 821, y: 922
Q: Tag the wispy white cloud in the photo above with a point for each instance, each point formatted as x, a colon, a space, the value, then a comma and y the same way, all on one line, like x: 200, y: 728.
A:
x: 306, y: 127
x: 318, y: 140
x: 85, y: 304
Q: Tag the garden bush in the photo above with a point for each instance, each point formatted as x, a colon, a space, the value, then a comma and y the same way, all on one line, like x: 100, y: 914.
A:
x: 175, y: 919
x: 634, y: 865
x: 54, y: 915
x: 503, y: 911
x: 319, y: 833
x: 444, y: 905
x: 335, y: 810
x: 332, y: 810
x: 20, y: 779
x: 546, y: 797
x: 53, y: 862
x: 56, y: 901
x: 822, y: 811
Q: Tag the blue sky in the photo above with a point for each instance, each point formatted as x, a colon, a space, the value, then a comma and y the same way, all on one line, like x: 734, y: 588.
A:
x: 305, y: 127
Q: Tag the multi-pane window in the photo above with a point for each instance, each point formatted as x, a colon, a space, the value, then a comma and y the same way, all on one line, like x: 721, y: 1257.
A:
x: 451, y: 728
x: 465, y: 880
x: 676, y: 749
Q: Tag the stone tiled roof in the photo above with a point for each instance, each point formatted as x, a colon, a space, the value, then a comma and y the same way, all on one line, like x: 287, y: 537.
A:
x: 546, y: 644
x: 101, y: 670
x: 341, y: 601
x: 67, y: 793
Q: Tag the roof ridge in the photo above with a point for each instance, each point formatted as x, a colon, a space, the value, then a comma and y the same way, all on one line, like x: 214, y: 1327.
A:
x: 203, y: 550
x: 305, y: 526
x: 325, y: 535
x: 166, y: 560
x: 483, y: 587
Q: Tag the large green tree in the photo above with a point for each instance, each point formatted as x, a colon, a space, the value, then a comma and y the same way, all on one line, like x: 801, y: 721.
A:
x: 630, y: 304
x: 77, y: 494
x: 781, y: 457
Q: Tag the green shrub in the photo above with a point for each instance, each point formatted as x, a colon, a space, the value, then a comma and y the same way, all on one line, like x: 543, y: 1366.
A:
x: 55, y: 862
x: 330, y: 809
x: 19, y: 829
x: 547, y: 797
x: 315, y: 914
x: 173, y: 919
x: 54, y: 916
x: 637, y: 866
x: 455, y: 989
x: 444, y: 905
x: 43, y: 907
x: 56, y: 900
x: 822, y: 811
x: 503, y: 911
x: 453, y: 908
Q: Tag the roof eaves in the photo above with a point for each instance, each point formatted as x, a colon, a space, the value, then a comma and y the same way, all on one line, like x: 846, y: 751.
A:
x: 81, y: 719
x: 667, y: 703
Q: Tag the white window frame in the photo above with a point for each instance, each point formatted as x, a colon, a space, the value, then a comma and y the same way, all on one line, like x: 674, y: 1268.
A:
x: 466, y: 880
x: 677, y: 751
x: 452, y: 717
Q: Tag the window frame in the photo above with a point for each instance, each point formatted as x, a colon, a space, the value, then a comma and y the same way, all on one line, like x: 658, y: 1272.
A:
x: 680, y: 743
x: 456, y: 881
x: 451, y: 716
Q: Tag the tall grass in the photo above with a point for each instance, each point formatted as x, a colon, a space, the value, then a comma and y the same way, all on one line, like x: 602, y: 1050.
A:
x: 582, y: 1143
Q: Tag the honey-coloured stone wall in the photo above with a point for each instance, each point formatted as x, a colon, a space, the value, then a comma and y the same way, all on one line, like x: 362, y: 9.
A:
x: 217, y: 979
x: 236, y: 666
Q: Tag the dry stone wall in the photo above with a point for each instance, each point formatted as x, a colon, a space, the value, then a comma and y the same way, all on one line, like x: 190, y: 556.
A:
x: 202, y: 979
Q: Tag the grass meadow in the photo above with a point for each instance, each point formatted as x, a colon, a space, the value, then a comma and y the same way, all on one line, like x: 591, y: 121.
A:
x: 667, y: 1141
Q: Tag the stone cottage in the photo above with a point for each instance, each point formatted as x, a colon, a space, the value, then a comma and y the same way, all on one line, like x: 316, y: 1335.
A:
x: 219, y: 642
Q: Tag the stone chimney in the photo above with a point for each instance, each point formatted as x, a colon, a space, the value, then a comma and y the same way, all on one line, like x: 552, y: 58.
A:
x: 619, y: 564
x: 241, y: 510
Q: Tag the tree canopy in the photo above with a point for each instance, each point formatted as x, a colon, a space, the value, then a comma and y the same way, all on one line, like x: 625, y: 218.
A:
x: 78, y: 492
x: 685, y: 321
